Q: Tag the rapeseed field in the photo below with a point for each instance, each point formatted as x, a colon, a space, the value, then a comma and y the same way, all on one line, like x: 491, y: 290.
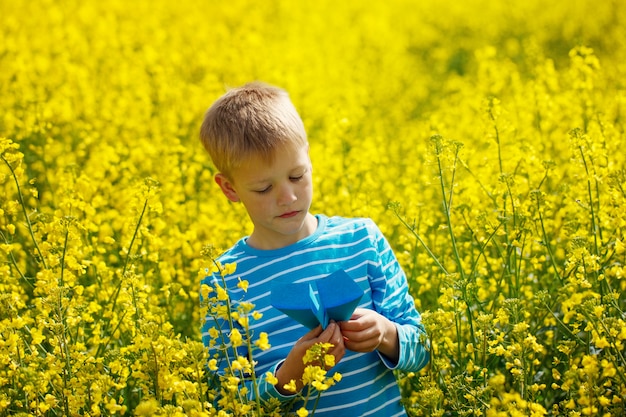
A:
x: 486, y: 138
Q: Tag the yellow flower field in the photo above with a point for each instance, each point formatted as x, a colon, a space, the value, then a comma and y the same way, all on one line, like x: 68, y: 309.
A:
x: 486, y: 138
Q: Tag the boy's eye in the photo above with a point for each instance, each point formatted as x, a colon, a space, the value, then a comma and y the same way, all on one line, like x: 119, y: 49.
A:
x: 265, y: 190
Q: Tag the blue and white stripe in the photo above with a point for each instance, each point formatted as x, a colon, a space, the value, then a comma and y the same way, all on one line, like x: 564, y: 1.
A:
x: 358, y: 247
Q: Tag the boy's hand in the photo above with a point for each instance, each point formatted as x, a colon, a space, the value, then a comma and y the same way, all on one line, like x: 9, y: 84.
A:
x: 293, y: 367
x: 368, y: 330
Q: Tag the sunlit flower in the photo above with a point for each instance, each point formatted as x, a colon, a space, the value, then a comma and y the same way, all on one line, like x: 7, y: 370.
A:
x: 263, y: 341
x: 235, y: 337
x: 271, y: 379
x: 222, y: 294
x: 243, y: 284
x: 291, y: 386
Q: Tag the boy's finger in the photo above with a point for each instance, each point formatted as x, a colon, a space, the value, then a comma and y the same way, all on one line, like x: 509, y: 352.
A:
x: 327, y: 334
x: 352, y: 326
x: 313, y: 333
x: 358, y: 312
x: 337, y: 338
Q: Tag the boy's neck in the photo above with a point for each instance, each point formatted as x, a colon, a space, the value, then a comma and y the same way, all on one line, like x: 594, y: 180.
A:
x: 268, y: 241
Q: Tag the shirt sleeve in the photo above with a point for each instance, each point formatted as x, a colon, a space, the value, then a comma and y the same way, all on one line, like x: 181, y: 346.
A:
x: 268, y: 390
x: 391, y: 298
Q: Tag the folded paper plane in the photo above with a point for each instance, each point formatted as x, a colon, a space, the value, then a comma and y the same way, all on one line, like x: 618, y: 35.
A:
x: 312, y: 303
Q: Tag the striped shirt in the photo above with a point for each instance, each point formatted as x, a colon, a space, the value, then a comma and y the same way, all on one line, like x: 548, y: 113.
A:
x: 368, y: 386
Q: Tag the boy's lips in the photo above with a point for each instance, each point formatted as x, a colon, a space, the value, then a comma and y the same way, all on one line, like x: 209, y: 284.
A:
x: 289, y: 214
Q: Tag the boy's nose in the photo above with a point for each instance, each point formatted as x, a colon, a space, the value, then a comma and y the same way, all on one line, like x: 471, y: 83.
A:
x: 286, y: 195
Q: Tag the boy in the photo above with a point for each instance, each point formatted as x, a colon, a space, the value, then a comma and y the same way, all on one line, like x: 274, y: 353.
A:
x: 258, y: 143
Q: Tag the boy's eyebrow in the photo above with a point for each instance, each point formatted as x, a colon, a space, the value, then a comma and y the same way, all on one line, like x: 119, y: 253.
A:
x: 258, y: 182
x: 305, y: 168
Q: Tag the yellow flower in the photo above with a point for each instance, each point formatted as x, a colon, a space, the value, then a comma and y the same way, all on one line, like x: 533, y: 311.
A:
x: 244, y: 363
x: 263, y: 341
x: 228, y: 269
x: 271, y: 378
x: 320, y: 385
x: 291, y: 386
x: 205, y: 290
x: 222, y: 295
x: 600, y: 342
x: 497, y: 381
x: 113, y: 407
x: 243, y: 284
x: 37, y: 336
x: 316, y: 352
x: 243, y: 321
x: 302, y: 412
x: 608, y: 369
x: 329, y: 361
x: 232, y: 383
x: 235, y: 337
x: 214, y: 333
x: 598, y: 311
x: 236, y: 365
x: 313, y: 374
x: 147, y: 407
x: 590, y: 365
x: 620, y: 247
x: 520, y: 327
x: 245, y: 307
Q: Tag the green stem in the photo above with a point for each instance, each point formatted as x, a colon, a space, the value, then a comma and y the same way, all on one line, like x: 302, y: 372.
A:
x: 418, y: 237
x: 135, y: 233
x: 14, y: 263
x: 255, y: 385
x: 28, y: 223
x: 547, y: 241
x: 102, y: 346
x: 317, y: 400
x: 497, y: 135
x: 459, y: 336
x: 126, y: 263
x: 619, y: 353
x: 65, y: 240
x: 563, y: 325
x: 447, y: 212
x: 67, y: 372
x: 229, y: 309
x: 594, y: 226
x: 485, y: 380
x: 157, y: 390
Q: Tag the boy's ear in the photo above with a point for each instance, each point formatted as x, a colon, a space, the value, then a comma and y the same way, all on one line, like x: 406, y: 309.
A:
x: 227, y: 187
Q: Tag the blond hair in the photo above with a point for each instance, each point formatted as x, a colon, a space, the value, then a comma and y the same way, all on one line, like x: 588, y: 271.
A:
x: 252, y: 120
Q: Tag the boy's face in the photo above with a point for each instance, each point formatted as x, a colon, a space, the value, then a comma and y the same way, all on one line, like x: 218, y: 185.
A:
x: 277, y: 196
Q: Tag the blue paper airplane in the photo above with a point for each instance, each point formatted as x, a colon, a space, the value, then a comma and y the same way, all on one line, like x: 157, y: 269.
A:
x: 334, y: 297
